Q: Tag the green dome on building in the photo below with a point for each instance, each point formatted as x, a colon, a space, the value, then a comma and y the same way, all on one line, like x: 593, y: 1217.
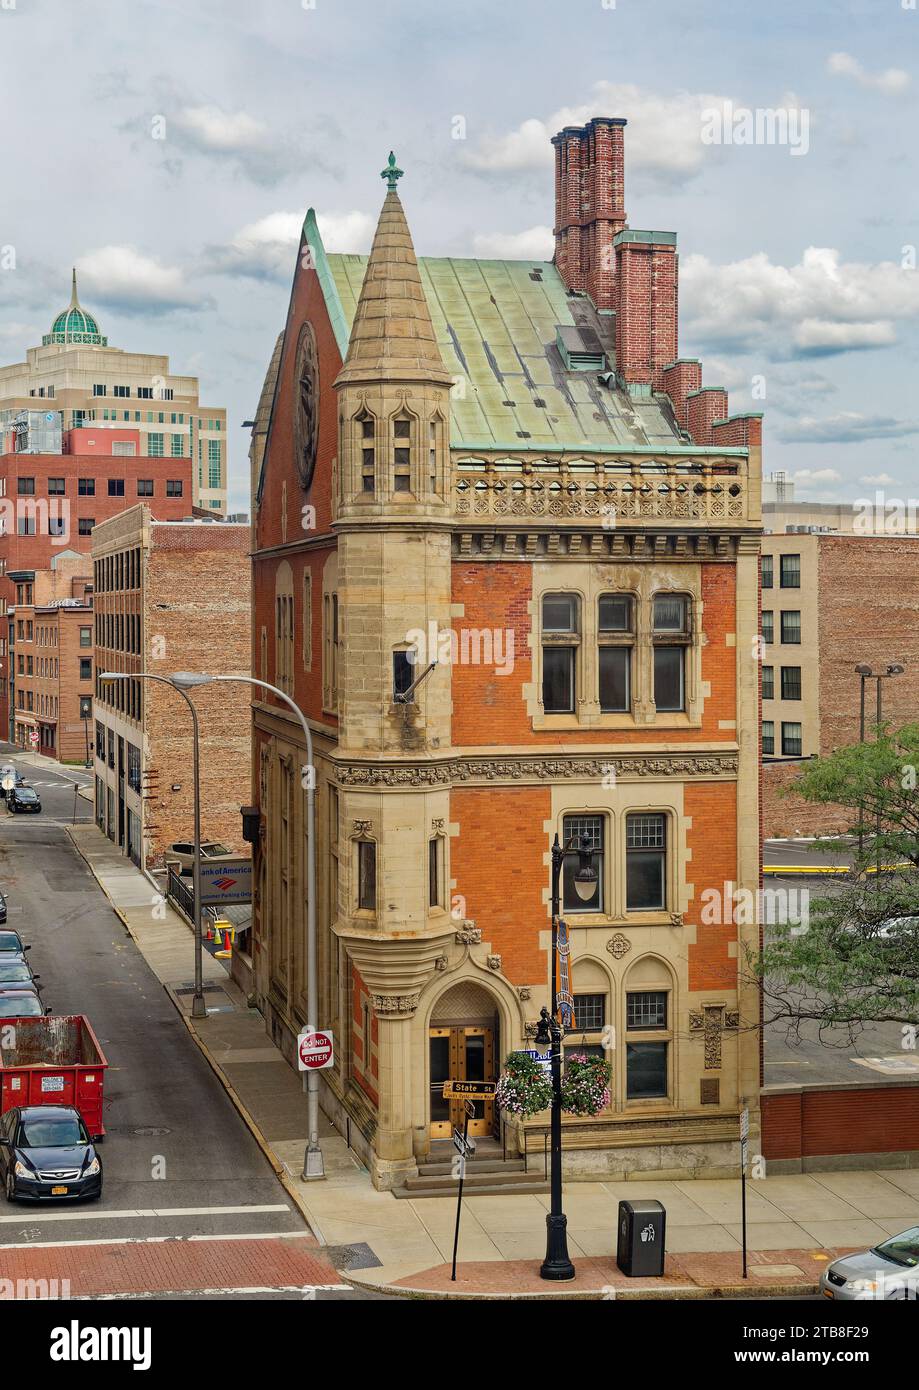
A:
x: 75, y: 325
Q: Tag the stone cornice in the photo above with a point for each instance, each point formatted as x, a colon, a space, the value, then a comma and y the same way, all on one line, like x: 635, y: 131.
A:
x: 535, y: 768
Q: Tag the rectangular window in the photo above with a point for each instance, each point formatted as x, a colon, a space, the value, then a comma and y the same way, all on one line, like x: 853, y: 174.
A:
x: 367, y: 875
x: 25, y: 526
x: 590, y: 1012
x: 86, y: 487
x: 768, y: 737
x: 173, y: 487
x: 560, y: 640
x: 99, y: 390
x: 213, y: 463
x: 647, y: 1009
x: 791, y: 626
x: 434, y: 876
x: 145, y: 393
x: 145, y: 487
x: 122, y: 391
x: 86, y: 636
x: 768, y: 626
x: 116, y: 487
x: 403, y: 675
x: 765, y: 565
x: 86, y: 668
x: 615, y: 631
x: 155, y: 445
x: 791, y: 740
x: 791, y: 682
x: 573, y: 827
x: 56, y: 487
x: 85, y: 525
x: 307, y: 621
x: 768, y: 682
x: 25, y: 487
x: 133, y: 767
x: 177, y: 446
x: 646, y: 862
x: 669, y: 693
x: 646, y: 1070
x: 790, y: 571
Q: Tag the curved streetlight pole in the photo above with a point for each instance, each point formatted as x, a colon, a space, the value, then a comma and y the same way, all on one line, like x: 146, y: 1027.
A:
x: 198, y: 1006
x: 312, y: 1161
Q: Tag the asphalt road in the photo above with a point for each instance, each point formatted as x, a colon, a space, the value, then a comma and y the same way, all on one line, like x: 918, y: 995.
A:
x: 179, y: 1163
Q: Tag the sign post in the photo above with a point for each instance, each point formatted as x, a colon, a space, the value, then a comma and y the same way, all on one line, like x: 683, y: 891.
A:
x: 744, y: 1135
x: 461, y: 1144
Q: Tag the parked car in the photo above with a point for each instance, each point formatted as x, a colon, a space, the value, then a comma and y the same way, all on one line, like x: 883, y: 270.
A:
x: 2, y: 906
x: 11, y: 941
x: 184, y: 852
x: 23, y: 799
x: 46, y: 1152
x: 14, y: 970
x: 23, y: 1003
x: 887, y: 1272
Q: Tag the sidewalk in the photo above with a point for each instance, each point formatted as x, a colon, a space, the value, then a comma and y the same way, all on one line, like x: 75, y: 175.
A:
x: 796, y: 1224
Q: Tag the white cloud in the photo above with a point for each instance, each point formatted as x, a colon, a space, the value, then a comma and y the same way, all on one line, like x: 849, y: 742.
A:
x: 815, y: 478
x: 265, y: 156
x: 663, y: 137
x: 848, y: 427
x: 125, y: 278
x: 213, y: 129
x: 820, y: 306
x: 879, y: 480
x: 266, y: 249
x: 891, y: 81
x: 534, y: 244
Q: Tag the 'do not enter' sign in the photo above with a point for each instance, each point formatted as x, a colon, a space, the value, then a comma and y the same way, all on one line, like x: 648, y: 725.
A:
x: 314, y: 1051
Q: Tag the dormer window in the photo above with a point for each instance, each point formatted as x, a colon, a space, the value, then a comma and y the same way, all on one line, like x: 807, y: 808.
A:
x: 402, y: 455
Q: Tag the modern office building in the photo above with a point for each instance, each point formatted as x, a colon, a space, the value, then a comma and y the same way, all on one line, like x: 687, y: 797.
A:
x: 169, y: 596
x: 525, y: 605
x: 78, y: 373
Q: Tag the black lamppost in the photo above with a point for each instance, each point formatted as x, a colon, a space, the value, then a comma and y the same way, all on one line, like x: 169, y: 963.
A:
x: 865, y: 672
x: 557, y: 1264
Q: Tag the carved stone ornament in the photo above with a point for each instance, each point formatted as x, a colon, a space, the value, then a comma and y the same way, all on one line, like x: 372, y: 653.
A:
x: 362, y: 827
x: 440, y: 963
x: 438, y: 825
x: 676, y: 919
x: 394, y: 1003
x: 618, y: 945
x: 696, y: 1020
x: 731, y: 1020
x: 523, y: 993
x: 306, y: 417
x: 711, y: 1036
x: 494, y: 962
x: 468, y: 934
x: 535, y: 769
x: 531, y: 1029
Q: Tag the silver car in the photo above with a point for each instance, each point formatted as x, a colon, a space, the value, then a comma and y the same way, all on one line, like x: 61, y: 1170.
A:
x: 888, y: 1272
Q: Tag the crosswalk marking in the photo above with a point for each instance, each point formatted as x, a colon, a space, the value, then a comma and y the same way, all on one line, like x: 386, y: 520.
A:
x: 153, y: 1240
x: 140, y: 1212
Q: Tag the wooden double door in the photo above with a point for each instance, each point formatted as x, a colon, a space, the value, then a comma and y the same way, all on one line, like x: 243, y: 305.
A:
x: 460, y: 1052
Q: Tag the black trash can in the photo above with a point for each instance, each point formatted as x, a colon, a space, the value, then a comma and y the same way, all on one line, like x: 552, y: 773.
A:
x: 640, y: 1248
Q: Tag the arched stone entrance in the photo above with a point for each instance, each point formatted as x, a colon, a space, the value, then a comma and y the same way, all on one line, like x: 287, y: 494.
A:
x: 464, y: 1044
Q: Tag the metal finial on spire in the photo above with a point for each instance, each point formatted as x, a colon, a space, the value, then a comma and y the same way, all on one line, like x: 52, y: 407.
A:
x: 391, y: 173
x: 73, y: 292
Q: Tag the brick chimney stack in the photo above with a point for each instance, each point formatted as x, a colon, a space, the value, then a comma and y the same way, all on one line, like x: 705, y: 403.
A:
x: 589, y: 206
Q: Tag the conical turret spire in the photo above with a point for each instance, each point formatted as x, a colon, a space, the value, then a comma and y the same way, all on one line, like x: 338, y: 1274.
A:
x: 392, y: 337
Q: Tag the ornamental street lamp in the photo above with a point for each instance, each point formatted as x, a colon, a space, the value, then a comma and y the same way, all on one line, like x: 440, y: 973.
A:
x: 557, y: 1264
x: 198, y: 1006
x: 183, y: 680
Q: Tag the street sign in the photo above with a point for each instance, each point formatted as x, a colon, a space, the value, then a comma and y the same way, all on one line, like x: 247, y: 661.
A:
x: 745, y: 1124
x: 314, y: 1051
x: 542, y: 1059
x: 470, y: 1109
x: 476, y: 1090
x: 463, y: 1144
x: 9, y: 782
x: 33, y: 737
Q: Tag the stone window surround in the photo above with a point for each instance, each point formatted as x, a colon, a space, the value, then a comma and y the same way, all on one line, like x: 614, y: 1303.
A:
x: 614, y: 868
x: 384, y: 443
x: 616, y: 987
x: 362, y: 914
x: 642, y: 586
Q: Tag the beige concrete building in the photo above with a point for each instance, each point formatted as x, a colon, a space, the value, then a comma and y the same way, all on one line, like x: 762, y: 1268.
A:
x: 76, y: 373
x: 169, y: 596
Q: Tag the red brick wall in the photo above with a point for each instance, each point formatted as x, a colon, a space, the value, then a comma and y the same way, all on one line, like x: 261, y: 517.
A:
x: 787, y: 817
x: 740, y: 432
x: 496, y: 595
x: 678, y: 379
x: 703, y: 409
x: 712, y: 842
x: 510, y: 910
x: 864, y: 1119
x: 589, y: 206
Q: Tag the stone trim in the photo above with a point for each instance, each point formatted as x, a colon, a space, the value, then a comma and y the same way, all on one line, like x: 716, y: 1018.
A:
x: 649, y: 546
x: 718, y: 766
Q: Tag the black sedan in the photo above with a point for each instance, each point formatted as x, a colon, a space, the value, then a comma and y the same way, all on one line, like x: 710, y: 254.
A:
x: 21, y: 1003
x: 23, y: 799
x: 45, y: 1152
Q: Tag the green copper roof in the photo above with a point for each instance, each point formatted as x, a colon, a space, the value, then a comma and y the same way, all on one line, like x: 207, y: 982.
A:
x: 75, y: 325
x: 496, y: 324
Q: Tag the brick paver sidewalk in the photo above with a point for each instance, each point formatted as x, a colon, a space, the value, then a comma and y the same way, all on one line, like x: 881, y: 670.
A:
x: 690, y: 1274
x: 167, y: 1266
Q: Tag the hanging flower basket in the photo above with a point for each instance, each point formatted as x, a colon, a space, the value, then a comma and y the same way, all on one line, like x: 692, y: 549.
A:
x: 524, y: 1088
x: 585, y: 1085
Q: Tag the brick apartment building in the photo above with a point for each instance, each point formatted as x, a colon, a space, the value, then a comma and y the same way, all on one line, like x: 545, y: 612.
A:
x: 830, y: 601
x: 169, y: 596
x: 51, y: 651
x: 50, y: 502
x: 509, y: 452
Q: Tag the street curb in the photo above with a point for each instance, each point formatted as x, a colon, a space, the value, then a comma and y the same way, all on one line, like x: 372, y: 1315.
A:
x: 668, y: 1293
x: 276, y: 1164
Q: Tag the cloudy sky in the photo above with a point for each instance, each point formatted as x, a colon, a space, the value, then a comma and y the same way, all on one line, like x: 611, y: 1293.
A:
x: 169, y: 148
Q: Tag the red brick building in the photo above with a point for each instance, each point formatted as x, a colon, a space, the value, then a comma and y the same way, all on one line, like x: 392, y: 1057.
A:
x: 506, y: 559
x: 49, y: 504
x: 51, y: 650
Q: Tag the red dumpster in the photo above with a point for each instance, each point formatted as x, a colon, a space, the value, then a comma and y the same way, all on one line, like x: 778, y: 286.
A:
x: 52, y: 1061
